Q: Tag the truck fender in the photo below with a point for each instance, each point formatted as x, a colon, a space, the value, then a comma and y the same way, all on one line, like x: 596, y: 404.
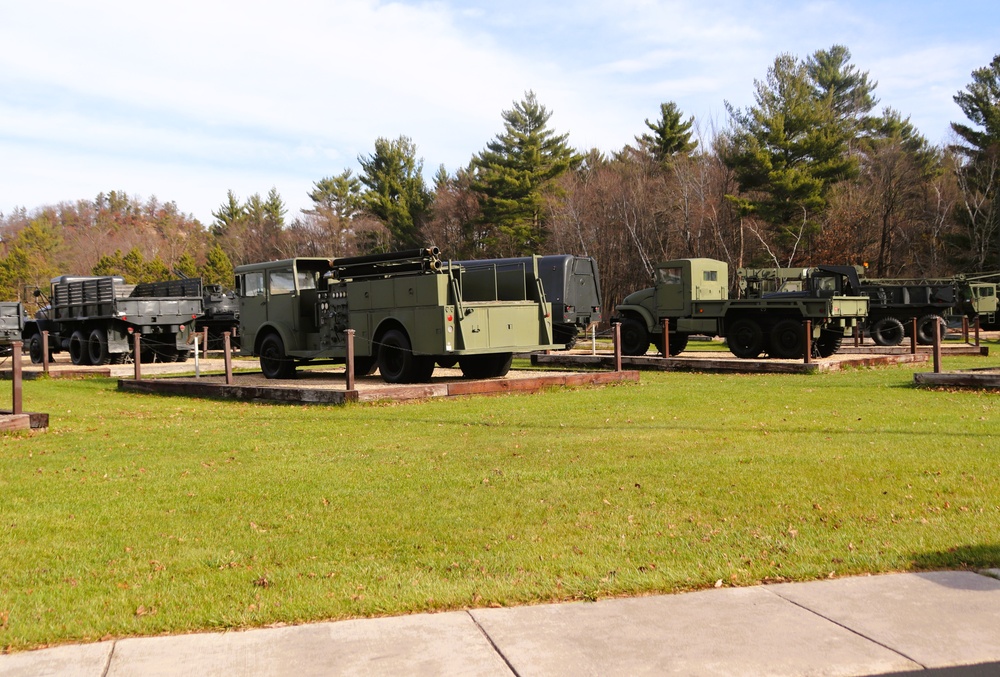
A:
x: 272, y: 328
x: 382, y: 327
x: 642, y: 312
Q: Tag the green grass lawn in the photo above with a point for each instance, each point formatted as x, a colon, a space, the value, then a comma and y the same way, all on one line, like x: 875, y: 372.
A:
x: 138, y: 514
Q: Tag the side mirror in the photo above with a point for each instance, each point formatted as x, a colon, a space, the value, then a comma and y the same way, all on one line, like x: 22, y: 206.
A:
x: 37, y: 293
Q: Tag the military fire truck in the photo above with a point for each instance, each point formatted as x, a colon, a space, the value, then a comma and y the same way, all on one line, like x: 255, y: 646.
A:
x: 409, y: 310
x: 693, y: 294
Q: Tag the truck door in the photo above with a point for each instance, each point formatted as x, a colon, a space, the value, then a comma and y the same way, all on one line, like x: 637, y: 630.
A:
x: 669, y: 290
x: 253, y: 306
x: 282, y: 301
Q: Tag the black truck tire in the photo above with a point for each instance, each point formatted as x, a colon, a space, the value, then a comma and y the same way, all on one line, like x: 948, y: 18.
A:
x: 745, y: 338
x: 273, y: 361
x: 927, y: 327
x: 364, y: 366
x: 78, y: 352
x: 493, y: 365
x: 787, y: 339
x: 35, y: 350
x: 97, y: 347
x: 887, y: 331
x: 634, y: 337
x: 398, y: 364
x: 828, y: 343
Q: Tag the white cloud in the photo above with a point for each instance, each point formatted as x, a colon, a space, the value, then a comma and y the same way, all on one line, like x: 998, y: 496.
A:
x: 192, y: 99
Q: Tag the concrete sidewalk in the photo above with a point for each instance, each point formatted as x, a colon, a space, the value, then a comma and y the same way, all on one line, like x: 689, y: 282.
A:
x: 942, y: 623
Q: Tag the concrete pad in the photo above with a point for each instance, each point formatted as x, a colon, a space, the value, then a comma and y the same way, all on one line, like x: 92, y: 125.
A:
x: 735, y: 631
x: 936, y: 619
x: 426, y: 644
x: 73, y: 660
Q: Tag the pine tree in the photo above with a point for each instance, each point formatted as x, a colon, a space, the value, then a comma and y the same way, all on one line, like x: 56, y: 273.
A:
x: 186, y: 266
x: 218, y: 269
x: 848, y: 90
x: 336, y: 203
x: 979, y: 168
x: 516, y: 170
x: 670, y: 136
x: 396, y: 193
x: 787, y: 152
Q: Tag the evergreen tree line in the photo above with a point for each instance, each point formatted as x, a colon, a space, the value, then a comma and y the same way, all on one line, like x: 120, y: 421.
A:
x: 811, y: 173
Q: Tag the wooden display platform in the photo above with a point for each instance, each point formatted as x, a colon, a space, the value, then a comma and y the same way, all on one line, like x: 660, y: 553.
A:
x: 970, y: 378
x: 946, y: 349
x: 724, y: 362
x: 318, y: 387
x: 26, y: 421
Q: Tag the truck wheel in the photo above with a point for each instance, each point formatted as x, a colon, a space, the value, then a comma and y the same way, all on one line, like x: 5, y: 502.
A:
x: 635, y: 338
x: 486, y: 366
x: 35, y: 349
x: 97, y: 347
x: 829, y: 342
x: 364, y: 366
x: 678, y: 342
x: 398, y: 364
x: 887, y: 331
x: 564, y: 334
x: 787, y: 339
x: 447, y: 362
x: 273, y: 361
x: 745, y: 339
x: 926, y: 328
x: 78, y: 352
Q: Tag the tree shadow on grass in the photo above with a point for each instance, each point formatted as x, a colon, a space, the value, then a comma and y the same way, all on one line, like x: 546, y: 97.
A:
x: 972, y: 558
x: 960, y: 557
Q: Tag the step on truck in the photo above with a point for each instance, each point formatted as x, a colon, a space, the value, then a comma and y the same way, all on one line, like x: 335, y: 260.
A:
x: 410, y: 312
x: 693, y: 294
x: 571, y: 283
x: 95, y: 319
x: 894, y: 303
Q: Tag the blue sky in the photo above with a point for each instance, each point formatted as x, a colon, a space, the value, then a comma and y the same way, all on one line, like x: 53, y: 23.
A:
x: 190, y: 99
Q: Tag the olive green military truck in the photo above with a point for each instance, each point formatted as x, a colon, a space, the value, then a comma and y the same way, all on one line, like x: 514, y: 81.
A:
x: 693, y: 294
x: 894, y: 303
x: 409, y: 310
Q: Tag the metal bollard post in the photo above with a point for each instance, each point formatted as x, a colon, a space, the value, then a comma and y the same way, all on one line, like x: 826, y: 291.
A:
x: 137, y: 349
x: 666, y: 337
x: 204, y: 342
x: 16, y: 407
x: 977, y: 330
x: 808, y: 347
x: 965, y: 329
x: 349, y: 334
x: 618, y: 346
x: 227, y: 351
x: 913, y: 336
x: 858, y: 334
